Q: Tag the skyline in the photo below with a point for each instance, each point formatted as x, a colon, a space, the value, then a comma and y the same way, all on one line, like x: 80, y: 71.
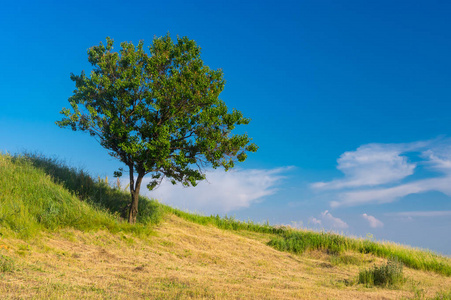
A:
x: 349, y: 105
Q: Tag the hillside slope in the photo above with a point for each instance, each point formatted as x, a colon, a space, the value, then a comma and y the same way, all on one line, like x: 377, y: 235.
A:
x: 54, y: 246
x: 31, y: 201
x: 185, y: 260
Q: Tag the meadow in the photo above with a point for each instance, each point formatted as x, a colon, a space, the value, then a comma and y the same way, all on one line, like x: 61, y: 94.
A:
x: 62, y: 236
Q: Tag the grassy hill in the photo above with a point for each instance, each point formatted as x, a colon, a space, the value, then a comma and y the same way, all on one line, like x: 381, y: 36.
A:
x: 62, y: 237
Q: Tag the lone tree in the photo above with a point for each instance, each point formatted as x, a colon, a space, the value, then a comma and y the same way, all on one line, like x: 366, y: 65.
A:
x: 158, y: 113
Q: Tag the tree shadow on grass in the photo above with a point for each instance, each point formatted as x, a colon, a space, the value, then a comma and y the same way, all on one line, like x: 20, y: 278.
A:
x: 95, y: 192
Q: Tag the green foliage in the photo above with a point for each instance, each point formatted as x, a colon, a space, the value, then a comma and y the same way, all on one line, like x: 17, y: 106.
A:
x: 301, y: 241
x: 386, y: 275
x: 159, y: 113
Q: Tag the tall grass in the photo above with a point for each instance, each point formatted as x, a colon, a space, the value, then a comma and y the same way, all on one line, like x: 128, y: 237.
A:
x: 299, y: 241
x: 30, y: 201
x: 227, y: 223
x: 96, y: 192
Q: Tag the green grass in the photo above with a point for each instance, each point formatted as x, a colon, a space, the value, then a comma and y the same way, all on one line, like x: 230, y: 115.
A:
x: 31, y: 201
x: 96, y: 192
x: 227, y: 223
x: 38, y: 193
x: 299, y: 241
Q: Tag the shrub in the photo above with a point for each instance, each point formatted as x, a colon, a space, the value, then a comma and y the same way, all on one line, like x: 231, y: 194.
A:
x: 389, y: 274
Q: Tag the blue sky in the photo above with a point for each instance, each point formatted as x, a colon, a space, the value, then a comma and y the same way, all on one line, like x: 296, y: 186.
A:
x: 350, y: 104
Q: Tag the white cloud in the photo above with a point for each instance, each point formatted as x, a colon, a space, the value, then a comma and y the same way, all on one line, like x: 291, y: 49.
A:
x: 439, y: 159
x: 374, y: 173
x: 372, y: 165
x: 387, y: 195
x: 411, y: 214
x: 374, y: 223
x: 331, y: 221
x: 314, y: 221
x: 222, y: 192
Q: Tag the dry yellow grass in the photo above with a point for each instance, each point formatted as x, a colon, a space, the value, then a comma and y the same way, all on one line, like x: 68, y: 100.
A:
x: 185, y: 260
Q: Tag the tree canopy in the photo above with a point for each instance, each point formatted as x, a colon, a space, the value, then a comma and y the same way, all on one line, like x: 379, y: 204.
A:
x: 158, y: 112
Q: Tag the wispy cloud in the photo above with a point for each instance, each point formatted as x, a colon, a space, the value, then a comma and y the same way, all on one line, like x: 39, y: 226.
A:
x: 439, y: 159
x: 314, y: 221
x: 328, y: 221
x: 387, y: 195
x: 333, y: 221
x: 223, y: 192
x: 427, y: 214
x: 374, y: 173
x: 374, y: 223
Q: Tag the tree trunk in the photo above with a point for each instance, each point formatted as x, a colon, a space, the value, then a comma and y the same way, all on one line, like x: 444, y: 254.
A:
x: 134, y: 192
x: 133, y: 213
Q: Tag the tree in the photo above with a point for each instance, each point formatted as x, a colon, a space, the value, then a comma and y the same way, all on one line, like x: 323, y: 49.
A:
x: 158, y: 113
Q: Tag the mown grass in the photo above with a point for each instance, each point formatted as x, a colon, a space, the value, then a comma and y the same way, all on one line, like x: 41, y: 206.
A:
x: 300, y: 241
x: 442, y: 296
x: 7, y: 264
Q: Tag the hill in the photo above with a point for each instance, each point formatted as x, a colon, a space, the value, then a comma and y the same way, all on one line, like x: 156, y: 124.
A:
x: 55, y: 246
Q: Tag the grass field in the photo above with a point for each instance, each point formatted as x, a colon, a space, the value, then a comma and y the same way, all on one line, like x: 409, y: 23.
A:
x: 54, y: 246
